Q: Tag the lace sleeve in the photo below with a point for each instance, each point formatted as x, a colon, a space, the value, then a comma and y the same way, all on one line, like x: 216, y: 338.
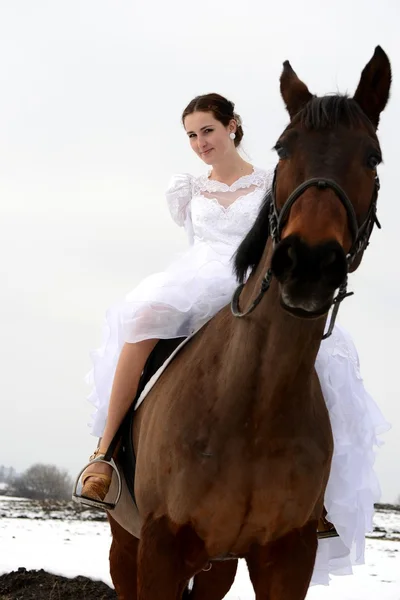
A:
x: 179, y: 194
x: 269, y: 179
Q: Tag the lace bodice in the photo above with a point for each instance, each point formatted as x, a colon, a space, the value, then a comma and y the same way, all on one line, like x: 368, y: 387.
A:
x: 215, y: 212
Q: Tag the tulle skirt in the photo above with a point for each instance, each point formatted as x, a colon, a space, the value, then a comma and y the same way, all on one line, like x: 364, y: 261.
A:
x: 186, y: 295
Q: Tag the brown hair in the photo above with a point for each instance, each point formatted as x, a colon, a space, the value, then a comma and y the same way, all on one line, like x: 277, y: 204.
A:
x: 222, y: 109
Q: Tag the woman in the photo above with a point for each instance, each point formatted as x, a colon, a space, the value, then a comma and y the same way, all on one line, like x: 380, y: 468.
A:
x: 217, y: 210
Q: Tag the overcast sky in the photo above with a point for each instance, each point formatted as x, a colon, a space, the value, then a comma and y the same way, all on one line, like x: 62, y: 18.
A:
x: 90, y: 104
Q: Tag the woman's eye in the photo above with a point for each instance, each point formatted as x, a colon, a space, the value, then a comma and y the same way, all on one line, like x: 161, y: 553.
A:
x: 373, y: 161
x: 208, y: 130
x: 191, y: 135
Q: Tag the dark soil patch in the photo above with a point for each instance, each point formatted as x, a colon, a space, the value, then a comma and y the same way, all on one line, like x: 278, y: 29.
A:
x: 40, y: 585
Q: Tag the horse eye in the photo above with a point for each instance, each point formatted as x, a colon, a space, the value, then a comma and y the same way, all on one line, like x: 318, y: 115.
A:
x: 281, y: 151
x: 373, y: 161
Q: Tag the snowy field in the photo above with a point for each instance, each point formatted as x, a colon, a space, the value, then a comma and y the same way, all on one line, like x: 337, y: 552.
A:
x: 65, y: 543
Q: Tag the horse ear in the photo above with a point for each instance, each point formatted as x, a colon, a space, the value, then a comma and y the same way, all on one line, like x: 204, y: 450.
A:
x: 294, y: 92
x: 372, y: 92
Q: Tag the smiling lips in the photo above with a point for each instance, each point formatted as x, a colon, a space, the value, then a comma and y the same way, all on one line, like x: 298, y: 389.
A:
x: 207, y: 151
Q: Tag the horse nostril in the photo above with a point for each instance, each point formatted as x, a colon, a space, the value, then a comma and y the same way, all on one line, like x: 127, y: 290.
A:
x: 333, y: 264
x: 284, y: 259
x: 291, y: 254
x: 289, y: 258
x: 293, y: 260
x: 329, y: 259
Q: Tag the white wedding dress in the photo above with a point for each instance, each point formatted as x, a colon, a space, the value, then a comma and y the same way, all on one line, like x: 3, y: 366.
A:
x: 179, y: 300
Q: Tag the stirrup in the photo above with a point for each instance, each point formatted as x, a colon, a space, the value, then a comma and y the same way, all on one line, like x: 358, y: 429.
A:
x: 327, y: 530
x: 331, y: 533
x: 97, y: 457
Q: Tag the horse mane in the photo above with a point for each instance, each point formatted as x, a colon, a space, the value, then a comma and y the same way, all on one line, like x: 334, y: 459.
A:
x: 250, y: 251
x: 327, y: 112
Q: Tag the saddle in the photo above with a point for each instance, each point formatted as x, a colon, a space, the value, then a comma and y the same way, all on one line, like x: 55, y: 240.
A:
x: 125, y: 457
x: 122, y: 445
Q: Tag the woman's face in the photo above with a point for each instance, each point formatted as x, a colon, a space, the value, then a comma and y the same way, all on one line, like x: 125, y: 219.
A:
x: 208, y: 137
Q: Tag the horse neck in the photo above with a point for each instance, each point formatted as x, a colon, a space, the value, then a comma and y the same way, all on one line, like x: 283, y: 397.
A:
x: 285, y: 346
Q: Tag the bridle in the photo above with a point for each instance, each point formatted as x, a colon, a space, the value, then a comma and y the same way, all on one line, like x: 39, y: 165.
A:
x: 277, y: 219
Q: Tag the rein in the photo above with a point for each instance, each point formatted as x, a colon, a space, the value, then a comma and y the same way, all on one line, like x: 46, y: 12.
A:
x: 277, y: 219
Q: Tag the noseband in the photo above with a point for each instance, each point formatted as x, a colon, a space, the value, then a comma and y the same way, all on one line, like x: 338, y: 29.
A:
x: 277, y: 219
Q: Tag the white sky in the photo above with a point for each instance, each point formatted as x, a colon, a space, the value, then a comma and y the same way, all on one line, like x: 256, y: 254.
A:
x: 90, y: 104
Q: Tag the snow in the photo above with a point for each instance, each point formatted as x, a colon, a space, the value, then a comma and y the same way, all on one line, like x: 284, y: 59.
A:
x: 69, y: 544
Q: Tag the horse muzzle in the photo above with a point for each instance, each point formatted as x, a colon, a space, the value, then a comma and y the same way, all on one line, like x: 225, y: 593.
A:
x: 308, y: 275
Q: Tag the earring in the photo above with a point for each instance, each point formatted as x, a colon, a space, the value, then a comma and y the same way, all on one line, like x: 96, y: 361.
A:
x: 232, y: 135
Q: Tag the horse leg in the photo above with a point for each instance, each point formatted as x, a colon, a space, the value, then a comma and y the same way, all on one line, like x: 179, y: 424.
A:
x: 167, y: 560
x: 123, y: 561
x: 282, y: 570
x: 216, y: 583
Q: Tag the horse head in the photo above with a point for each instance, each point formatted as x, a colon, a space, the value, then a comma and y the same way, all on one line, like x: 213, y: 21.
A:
x: 326, y: 186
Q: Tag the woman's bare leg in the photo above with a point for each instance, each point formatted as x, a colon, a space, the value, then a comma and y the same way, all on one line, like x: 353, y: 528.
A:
x: 130, y: 365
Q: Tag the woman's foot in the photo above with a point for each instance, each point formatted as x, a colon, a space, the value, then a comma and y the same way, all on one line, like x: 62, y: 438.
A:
x: 96, y: 480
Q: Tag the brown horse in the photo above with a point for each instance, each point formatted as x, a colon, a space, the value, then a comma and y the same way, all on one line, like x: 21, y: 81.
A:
x: 234, y: 443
